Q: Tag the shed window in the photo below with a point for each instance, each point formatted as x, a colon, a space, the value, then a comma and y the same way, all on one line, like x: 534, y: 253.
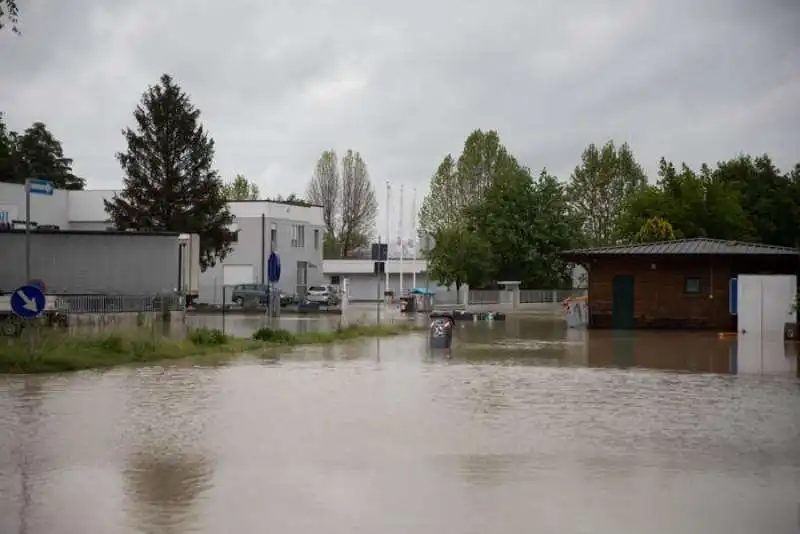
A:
x: 693, y: 286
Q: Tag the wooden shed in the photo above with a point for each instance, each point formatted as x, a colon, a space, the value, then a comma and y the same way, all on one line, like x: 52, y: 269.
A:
x: 680, y: 284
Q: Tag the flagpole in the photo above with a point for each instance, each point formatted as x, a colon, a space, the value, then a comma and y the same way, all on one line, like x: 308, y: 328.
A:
x: 414, y: 238
x: 388, y: 231
x: 400, y: 235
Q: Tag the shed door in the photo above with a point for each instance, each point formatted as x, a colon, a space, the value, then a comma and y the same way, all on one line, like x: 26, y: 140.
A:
x: 622, y: 303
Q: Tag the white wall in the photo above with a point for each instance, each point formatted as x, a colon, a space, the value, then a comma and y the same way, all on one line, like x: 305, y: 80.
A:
x: 765, y: 306
x: 88, y: 206
x: 44, y: 209
x: 357, y: 266
x: 311, y: 215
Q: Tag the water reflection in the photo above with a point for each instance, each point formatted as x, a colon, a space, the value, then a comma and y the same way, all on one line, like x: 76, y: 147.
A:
x: 384, y: 435
x: 24, y: 405
x: 547, y: 341
x: 168, y: 466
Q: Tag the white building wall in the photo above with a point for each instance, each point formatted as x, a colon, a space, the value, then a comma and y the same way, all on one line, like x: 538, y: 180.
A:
x: 44, y: 209
x: 256, y: 221
x: 85, y: 210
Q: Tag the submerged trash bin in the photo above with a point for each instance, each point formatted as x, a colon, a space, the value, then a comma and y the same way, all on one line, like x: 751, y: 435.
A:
x: 440, y: 333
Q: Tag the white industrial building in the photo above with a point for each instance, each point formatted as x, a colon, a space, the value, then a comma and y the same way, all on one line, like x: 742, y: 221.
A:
x: 295, y: 232
x: 365, y: 285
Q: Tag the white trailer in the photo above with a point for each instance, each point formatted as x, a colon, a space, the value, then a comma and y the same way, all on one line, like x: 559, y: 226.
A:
x: 189, y: 264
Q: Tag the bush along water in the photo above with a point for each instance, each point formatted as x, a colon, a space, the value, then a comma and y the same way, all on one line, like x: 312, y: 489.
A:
x: 57, y: 351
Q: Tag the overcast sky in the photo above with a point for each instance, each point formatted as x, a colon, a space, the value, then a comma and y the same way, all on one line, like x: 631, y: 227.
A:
x: 405, y: 82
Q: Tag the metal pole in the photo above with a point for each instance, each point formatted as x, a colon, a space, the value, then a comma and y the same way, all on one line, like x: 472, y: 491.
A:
x: 224, y: 305
x: 378, y: 304
x: 414, y: 239
x: 400, y: 232
x: 27, y: 232
x: 388, y: 231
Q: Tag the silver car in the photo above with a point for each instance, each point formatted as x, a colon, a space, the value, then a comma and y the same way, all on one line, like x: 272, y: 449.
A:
x: 326, y: 295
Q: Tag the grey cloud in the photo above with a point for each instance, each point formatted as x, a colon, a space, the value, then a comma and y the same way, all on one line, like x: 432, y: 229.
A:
x: 405, y: 83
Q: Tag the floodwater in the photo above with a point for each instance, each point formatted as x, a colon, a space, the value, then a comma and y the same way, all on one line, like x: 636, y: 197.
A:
x: 521, y: 427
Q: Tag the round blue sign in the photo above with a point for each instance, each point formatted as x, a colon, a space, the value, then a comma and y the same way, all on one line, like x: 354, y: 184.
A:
x: 28, y: 301
x: 274, y: 267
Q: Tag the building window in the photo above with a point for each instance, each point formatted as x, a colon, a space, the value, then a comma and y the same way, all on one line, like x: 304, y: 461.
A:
x: 335, y: 280
x: 693, y: 286
x: 316, y: 239
x: 302, y: 278
x: 298, y: 236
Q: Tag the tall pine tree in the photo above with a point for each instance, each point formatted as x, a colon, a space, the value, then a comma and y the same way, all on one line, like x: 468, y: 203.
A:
x: 170, y: 182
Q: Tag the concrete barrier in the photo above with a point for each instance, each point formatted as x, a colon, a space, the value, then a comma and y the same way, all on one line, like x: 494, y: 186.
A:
x: 123, y: 319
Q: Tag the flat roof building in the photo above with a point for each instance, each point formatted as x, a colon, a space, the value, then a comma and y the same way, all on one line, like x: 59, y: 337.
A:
x: 294, y: 231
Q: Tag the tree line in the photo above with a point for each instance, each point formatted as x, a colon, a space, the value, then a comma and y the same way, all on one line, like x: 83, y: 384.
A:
x: 170, y: 182
x: 35, y: 152
x: 492, y: 219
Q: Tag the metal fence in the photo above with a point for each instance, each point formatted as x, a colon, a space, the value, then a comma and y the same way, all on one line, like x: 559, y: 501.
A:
x: 542, y: 296
x: 526, y: 296
x: 102, y: 304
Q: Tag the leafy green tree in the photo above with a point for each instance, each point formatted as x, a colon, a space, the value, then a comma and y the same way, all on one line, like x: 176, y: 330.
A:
x: 170, y: 183
x: 460, y: 256
x: 600, y: 187
x: 40, y: 155
x: 240, y: 188
x: 695, y: 204
x: 655, y: 229
x: 767, y: 197
x: 526, y: 223
x: 9, y: 14
x: 441, y: 208
x: 292, y: 198
x: 457, y: 185
x: 35, y: 154
x: 9, y: 157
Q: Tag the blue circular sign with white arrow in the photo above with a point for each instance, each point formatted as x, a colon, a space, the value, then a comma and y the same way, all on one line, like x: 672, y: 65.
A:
x: 28, y: 301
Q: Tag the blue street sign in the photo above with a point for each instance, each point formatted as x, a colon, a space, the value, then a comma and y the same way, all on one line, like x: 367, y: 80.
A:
x: 38, y: 186
x: 274, y: 267
x: 27, y: 301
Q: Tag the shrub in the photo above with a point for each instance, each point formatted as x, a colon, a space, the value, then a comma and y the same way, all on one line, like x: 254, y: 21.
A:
x: 273, y: 336
x: 206, y: 336
x: 112, y: 343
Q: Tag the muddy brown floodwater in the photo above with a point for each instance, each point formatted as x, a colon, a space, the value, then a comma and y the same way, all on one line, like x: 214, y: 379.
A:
x: 522, y: 427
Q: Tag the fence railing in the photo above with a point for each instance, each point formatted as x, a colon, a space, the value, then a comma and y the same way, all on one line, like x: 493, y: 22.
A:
x: 542, y: 296
x: 78, y: 304
x: 526, y: 296
x: 484, y: 296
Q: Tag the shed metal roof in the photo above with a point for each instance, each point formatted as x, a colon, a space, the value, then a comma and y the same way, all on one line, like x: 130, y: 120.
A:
x: 687, y: 247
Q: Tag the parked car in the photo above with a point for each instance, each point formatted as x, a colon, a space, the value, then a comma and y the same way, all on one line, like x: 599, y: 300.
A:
x: 247, y: 292
x: 259, y: 292
x: 287, y: 299
x: 326, y: 295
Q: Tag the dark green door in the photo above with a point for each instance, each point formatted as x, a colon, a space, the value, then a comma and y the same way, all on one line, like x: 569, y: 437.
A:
x: 622, y: 303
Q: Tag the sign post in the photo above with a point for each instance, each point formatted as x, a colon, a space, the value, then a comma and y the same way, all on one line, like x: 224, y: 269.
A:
x: 380, y: 253
x: 274, y: 276
x: 36, y: 186
x: 28, y: 302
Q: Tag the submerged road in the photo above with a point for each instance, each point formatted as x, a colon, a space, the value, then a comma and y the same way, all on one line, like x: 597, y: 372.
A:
x: 522, y: 427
